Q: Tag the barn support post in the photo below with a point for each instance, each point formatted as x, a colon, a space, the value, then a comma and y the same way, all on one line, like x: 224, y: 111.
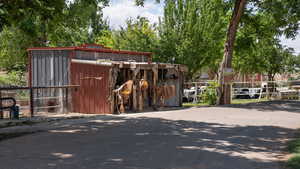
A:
x: 113, y: 73
x: 140, y: 95
x: 134, y: 89
x: 155, y: 78
x: 145, y: 92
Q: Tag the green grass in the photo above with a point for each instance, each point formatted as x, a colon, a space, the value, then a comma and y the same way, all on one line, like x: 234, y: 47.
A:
x: 234, y: 101
x: 245, y: 101
x: 294, y: 148
x: 194, y: 104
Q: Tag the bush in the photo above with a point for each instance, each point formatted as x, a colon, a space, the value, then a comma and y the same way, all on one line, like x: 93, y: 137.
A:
x: 210, y: 94
x: 14, y: 78
x: 294, y: 162
x: 294, y: 147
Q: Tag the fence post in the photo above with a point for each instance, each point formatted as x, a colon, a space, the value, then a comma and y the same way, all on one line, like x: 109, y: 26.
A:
x: 232, y: 92
x: 61, y: 100
x: 1, y: 112
x: 196, y: 93
x: 267, y: 90
x: 31, y: 102
x: 67, y: 100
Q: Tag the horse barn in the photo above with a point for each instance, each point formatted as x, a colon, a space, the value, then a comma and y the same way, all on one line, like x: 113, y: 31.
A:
x: 111, y: 81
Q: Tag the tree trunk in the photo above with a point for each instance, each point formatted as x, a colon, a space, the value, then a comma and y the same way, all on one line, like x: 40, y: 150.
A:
x: 225, y: 69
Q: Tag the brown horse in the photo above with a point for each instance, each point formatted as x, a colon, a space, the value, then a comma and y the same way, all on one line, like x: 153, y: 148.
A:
x: 125, y: 90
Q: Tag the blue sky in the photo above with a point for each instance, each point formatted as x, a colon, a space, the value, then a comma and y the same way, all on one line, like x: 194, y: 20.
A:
x: 120, y: 10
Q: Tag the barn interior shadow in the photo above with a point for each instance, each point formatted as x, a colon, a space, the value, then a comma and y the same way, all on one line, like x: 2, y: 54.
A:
x: 153, y: 143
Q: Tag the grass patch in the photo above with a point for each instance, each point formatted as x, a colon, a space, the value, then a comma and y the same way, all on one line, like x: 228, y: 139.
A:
x: 294, y: 148
x: 245, y: 101
x: 194, y: 104
x: 234, y: 101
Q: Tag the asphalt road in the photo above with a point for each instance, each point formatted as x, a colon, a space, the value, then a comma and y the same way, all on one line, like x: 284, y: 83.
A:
x: 234, y: 137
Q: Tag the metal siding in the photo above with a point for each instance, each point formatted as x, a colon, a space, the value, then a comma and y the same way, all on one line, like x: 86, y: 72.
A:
x: 92, y: 97
x: 41, y: 71
x: 91, y: 55
x: 175, y: 100
x: 41, y: 67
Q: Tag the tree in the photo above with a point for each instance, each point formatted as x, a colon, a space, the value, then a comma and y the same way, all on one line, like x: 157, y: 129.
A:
x: 224, y: 91
x: 13, y: 44
x: 138, y: 35
x: 277, y: 59
x: 286, y: 15
x: 47, y: 23
x: 193, y: 33
x: 106, y: 38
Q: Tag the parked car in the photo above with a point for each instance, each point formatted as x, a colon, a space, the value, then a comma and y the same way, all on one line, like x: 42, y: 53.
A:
x: 246, y: 93
x: 189, y: 94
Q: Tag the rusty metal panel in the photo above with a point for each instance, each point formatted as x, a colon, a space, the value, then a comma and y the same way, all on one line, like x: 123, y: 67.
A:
x: 90, y: 55
x: 92, y: 96
x: 174, y: 101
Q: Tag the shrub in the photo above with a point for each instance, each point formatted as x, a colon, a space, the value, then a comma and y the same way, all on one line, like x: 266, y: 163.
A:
x: 210, y: 94
x: 294, y: 147
x: 14, y: 78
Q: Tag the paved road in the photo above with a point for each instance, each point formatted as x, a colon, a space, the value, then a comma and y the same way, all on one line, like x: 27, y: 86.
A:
x: 237, y: 137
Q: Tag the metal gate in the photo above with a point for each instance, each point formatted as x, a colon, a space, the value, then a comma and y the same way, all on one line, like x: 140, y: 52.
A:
x: 92, y: 96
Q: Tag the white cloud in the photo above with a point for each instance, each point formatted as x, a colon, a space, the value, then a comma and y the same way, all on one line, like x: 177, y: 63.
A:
x: 292, y: 43
x: 120, y: 10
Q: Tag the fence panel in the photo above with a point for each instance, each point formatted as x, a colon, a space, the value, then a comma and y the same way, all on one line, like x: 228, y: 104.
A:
x: 255, y: 91
x: 37, y: 101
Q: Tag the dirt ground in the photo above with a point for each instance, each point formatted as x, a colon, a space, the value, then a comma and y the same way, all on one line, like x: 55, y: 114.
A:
x: 248, y: 136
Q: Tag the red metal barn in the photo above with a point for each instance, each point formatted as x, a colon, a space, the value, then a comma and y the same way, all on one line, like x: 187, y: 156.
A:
x: 100, y: 71
x: 92, y: 97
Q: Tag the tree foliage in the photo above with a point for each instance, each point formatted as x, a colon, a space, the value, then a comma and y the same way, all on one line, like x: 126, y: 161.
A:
x: 258, y: 48
x: 47, y: 23
x: 193, y: 32
x: 138, y: 35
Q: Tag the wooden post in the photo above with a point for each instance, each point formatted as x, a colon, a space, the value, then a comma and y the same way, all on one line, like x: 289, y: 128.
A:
x: 196, y: 93
x: 267, y: 90
x: 113, y: 73
x: 66, y: 100
x: 61, y: 100
x: 140, y: 96
x: 134, y: 89
x: 155, y: 78
x: 31, y: 102
x: 232, y: 92
x: 145, y: 93
x: 1, y: 112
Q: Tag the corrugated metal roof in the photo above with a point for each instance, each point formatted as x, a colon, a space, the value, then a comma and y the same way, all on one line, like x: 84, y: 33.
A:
x: 86, y: 48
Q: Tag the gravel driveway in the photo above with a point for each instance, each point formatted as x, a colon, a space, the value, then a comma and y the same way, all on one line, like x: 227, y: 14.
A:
x: 249, y: 136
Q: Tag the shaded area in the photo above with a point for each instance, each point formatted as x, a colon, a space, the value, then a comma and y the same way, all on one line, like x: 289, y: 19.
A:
x: 278, y: 105
x: 148, y: 143
x: 5, y: 136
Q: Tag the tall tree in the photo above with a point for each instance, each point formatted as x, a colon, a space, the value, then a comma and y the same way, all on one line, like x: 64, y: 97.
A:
x: 137, y: 35
x: 193, y: 33
x: 225, y: 70
x: 286, y: 15
x: 47, y: 23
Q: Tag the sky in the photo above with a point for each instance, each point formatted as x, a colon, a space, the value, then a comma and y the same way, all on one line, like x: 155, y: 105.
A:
x: 120, y: 10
